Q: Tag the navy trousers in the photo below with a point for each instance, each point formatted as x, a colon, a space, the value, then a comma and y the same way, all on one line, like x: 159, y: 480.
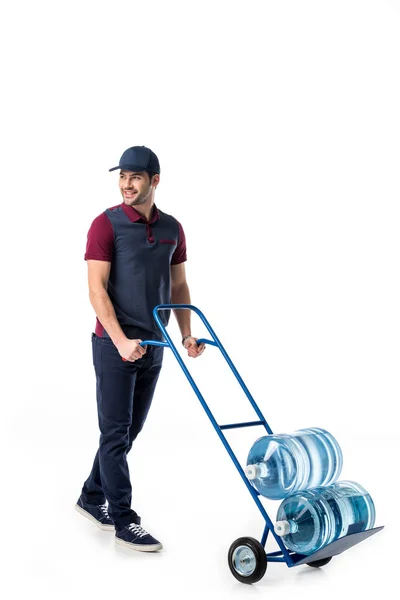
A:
x: 124, y: 392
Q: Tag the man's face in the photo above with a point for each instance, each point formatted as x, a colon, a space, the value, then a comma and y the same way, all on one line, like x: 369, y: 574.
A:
x: 135, y: 187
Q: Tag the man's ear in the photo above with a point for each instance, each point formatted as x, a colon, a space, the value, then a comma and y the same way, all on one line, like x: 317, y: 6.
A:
x: 155, y: 180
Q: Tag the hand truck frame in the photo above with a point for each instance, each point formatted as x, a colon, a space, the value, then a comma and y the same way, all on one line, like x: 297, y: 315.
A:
x: 247, y: 558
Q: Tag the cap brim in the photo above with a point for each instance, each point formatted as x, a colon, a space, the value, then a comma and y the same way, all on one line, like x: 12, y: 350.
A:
x: 134, y: 168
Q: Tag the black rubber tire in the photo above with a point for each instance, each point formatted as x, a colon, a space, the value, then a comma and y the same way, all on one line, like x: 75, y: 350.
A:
x: 259, y: 553
x: 320, y: 563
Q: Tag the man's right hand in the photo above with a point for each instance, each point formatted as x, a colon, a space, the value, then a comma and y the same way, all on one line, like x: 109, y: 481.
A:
x: 131, y: 350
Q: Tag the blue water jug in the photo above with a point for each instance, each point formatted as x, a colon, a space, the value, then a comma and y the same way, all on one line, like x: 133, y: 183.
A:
x: 311, y: 519
x: 281, y: 464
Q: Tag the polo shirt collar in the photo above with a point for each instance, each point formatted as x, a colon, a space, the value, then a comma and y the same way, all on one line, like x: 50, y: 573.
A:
x: 134, y: 216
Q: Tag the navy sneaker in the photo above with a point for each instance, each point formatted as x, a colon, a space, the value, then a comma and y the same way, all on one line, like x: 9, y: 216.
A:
x: 97, y: 513
x: 135, y: 537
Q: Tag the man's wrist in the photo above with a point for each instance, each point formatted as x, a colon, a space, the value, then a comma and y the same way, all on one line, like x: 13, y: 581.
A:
x: 118, y: 340
x: 184, y: 339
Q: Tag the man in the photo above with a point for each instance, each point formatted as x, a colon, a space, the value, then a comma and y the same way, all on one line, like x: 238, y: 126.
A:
x: 135, y: 255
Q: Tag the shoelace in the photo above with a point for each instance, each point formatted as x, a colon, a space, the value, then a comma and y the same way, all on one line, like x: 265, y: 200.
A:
x: 103, y: 508
x: 137, y: 530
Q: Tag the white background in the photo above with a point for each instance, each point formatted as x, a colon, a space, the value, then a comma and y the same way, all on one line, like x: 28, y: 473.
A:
x: 277, y: 128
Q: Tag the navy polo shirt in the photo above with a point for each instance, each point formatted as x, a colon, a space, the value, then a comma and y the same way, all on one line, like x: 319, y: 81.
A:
x: 141, y: 253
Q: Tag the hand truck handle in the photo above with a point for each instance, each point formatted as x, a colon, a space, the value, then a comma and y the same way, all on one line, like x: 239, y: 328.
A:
x: 213, y: 342
x: 156, y: 343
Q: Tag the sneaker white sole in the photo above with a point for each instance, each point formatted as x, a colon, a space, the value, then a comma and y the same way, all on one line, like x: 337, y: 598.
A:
x: 139, y: 547
x: 95, y: 521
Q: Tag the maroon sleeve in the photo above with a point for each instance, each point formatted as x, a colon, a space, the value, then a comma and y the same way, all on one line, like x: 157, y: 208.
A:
x: 100, y: 239
x: 179, y: 256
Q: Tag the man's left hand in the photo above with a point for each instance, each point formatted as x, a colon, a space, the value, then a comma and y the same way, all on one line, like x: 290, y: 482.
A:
x: 194, y: 350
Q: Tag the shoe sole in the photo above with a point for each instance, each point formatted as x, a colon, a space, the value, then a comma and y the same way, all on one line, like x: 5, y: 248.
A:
x: 139, y: 547
x: 85, y: 513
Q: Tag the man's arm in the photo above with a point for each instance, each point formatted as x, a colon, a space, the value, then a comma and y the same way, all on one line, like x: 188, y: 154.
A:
x: 180, y: 295
x: 98, y: 274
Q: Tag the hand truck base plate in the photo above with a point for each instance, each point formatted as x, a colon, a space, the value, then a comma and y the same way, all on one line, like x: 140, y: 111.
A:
x: 336, y: 547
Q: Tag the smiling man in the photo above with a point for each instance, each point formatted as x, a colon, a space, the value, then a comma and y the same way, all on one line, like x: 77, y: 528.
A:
x: 135, y: 255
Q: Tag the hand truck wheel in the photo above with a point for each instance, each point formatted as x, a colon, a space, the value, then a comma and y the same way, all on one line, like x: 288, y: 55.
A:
x: 320, y: 563
x: 247, y: 560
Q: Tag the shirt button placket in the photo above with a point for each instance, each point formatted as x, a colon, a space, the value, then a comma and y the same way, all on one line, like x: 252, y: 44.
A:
x: 150, y: 238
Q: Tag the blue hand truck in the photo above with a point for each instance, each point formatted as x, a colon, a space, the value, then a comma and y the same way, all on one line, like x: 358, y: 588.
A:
x: 247, y: 557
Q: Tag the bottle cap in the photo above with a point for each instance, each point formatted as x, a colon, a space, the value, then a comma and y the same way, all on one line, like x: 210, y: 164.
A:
x: 251, y: 472
x: 282, y: 528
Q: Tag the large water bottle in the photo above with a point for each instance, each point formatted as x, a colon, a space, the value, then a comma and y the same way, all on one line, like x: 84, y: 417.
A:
x: 280, y: 464
x: 311, y: 519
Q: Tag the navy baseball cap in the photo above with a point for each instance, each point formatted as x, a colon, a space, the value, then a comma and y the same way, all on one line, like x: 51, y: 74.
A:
x: 138, y: 158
